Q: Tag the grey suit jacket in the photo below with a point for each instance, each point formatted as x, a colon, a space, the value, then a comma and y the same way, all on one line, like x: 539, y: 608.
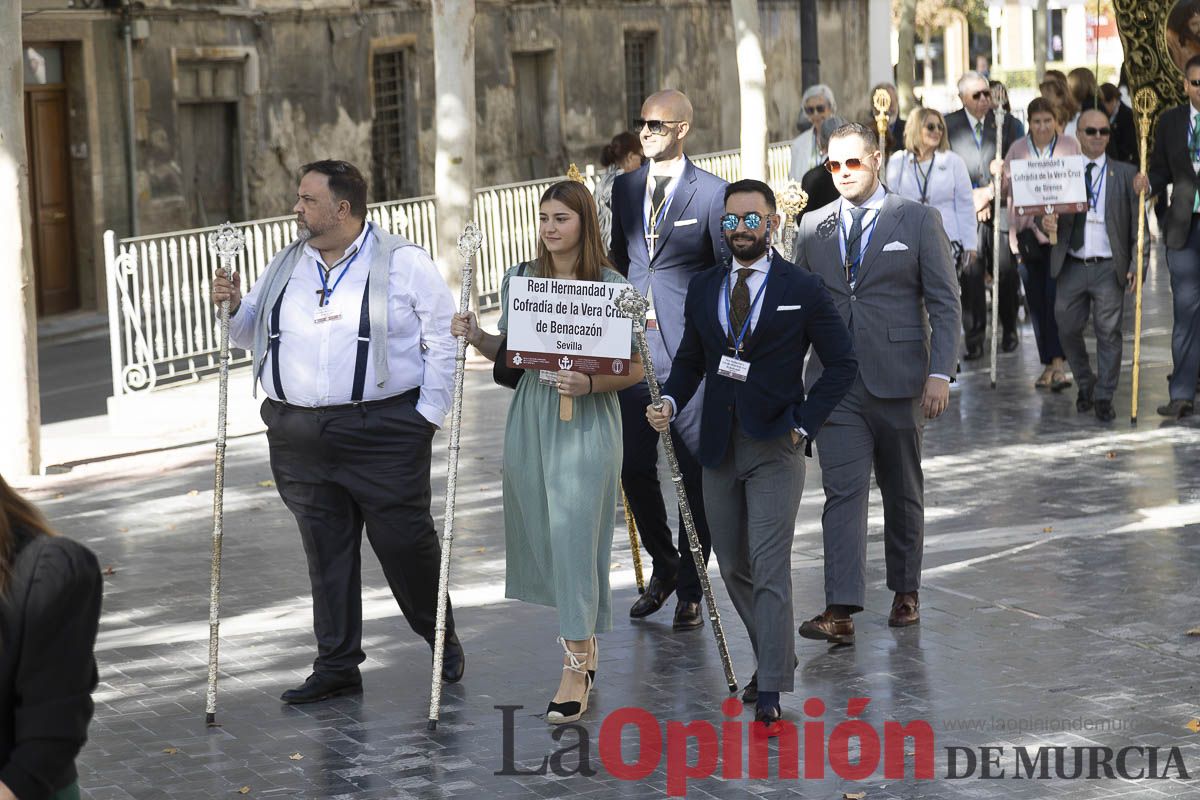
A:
x: 904, y: 314
x: 1121, y: 210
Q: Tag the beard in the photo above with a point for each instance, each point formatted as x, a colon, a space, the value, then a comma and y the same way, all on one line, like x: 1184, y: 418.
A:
x: 746, y: 249
x: 309, y: 229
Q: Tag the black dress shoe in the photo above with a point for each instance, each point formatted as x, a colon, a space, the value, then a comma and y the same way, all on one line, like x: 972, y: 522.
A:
x: 657, y: 592
x: 687, y: 616
x: 1083, y: 403
x: 1176, y: 409
x: 974, y: 352
x: 1009, y: 341
x: 750, y: 693
x: 322, y: 687
x: 768, y: 716
x: 454, y: 659
x: 1104, y: 411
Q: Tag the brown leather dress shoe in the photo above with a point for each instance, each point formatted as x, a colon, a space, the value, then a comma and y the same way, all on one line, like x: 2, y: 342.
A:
x: 906, y: 610
x: 827, y: 628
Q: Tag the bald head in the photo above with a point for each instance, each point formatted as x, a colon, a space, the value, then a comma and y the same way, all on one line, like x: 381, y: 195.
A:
x: 1092, y: 146
x: 669, y: 119
x: 670, y: 102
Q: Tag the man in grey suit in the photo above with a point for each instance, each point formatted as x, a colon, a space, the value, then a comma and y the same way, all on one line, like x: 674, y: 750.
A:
x: 889, y: 266
x: 1094, y: 262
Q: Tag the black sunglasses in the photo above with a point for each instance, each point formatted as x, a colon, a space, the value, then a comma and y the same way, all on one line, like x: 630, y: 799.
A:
x: 810, y: 110
x: 1194, y: 83
x: 934, y: 127
x: 657, y: 126
x: 1097, y: 131
x: 982, y: 93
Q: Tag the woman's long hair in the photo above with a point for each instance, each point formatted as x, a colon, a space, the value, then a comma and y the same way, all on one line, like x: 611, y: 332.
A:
x: 592, y: 259
x: 15, y: 512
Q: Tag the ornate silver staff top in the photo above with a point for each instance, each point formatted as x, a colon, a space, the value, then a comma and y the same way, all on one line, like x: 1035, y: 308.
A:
x: 631, y: 304
x: 226, y: 242
x: 469, y: 241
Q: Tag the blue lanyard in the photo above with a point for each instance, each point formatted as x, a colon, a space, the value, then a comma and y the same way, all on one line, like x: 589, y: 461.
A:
x: 1193, y: 146
x: 1094, y: 197
x: 864, y: 239
x: 728, y: 293
x: 1050, y: 150
x: 662, y: 209
x: 326, y: 292
x: 924, y: 188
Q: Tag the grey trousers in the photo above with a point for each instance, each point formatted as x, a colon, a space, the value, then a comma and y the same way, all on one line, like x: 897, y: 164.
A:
x: 751, y: 501
x: 1083, y: 287
x: 864, y: 433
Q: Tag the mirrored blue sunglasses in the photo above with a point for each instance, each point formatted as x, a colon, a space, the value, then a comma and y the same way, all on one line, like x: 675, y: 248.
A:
x: 753, y: 220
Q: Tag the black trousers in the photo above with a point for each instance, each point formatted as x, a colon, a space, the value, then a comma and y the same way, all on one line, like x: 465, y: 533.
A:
x: 639, y: 477
x: 337, y: 470
x: 974, y: 293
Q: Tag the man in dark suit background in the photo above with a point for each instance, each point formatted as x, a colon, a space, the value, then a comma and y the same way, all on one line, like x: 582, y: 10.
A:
x: 972, y: 135
x: 666, y: 229
x: 1175, y: 161
x: 1093, y: 262
x: 747, y: 330
x: 888, y: 265
x: 1123, y: 139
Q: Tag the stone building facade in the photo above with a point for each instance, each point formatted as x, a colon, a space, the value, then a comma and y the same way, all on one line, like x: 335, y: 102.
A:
x: 230, y: 97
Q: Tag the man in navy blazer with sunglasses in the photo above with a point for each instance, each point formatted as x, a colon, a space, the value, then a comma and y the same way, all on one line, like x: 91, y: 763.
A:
x: 748, y: 325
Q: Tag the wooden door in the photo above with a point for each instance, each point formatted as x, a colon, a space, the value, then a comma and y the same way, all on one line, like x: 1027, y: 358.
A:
x: 208, y: 156
x: 49, y: 155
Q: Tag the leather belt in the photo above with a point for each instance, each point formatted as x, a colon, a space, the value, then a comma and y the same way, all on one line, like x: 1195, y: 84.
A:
x: 410, y: 395
x: 1091, y: 260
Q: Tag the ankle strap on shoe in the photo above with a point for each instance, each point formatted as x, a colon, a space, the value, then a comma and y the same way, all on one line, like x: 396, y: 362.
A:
x: 577, y: 664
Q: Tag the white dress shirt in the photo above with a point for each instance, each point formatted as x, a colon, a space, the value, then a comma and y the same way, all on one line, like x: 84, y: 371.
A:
x: 672, y: 169
x: 1095, y: 232
x: 754, y: 283
x: 317, y: 359
x: 948, y: 190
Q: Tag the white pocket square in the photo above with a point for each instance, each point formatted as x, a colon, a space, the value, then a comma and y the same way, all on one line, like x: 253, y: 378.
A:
x: 897, y: 247
x: 788, y: 308
x: 682, y: 222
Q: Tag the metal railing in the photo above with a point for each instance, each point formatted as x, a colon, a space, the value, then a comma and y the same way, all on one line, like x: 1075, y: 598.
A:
x: 162, y: 327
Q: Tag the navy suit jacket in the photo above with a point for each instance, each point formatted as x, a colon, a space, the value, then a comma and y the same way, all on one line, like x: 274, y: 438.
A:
x: 690, y: 242
x: 796, y: 311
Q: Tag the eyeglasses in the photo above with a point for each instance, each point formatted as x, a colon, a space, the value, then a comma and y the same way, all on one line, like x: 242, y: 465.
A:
x: 982, y: 93
x: 810, y: 110
x: 753, y: 221
x: 1097, y: 131
x: 934, y: 127
x: 657, y: 126
x: 852, y: 164
x: 1196, y: 84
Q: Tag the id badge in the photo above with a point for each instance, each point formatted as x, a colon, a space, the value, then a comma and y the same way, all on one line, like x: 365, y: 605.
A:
x: 326, y: 314
x: 734, y: 368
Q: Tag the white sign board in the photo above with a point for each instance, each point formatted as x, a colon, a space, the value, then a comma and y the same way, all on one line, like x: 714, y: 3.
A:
x: 1048, y: 185
x: 572, y: 325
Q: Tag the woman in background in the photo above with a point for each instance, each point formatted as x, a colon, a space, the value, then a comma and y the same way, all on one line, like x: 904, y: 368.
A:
x: 623, y: 154
x: 49, y: 612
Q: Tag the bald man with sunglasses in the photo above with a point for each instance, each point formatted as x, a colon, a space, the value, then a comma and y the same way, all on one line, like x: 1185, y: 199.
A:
x: 666, y: 230
x: 888, y: 265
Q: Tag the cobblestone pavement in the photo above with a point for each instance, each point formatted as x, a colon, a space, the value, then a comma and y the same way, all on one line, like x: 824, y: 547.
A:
x: 1061, y: 577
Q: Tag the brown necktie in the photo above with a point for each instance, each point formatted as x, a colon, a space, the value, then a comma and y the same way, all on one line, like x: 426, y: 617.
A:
x: 739, y: 302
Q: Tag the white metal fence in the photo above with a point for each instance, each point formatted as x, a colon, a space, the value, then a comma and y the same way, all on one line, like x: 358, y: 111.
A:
x: 162, y: 327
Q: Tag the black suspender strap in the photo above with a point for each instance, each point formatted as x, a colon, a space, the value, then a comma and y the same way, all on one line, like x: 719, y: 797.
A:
x: 364, y: 343
x: 273, y: 347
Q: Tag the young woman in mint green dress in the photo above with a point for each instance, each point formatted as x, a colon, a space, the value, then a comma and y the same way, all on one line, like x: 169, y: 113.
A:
x: 562, y: 479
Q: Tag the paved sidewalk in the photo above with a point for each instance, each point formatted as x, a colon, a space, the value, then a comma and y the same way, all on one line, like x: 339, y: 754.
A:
x: 1061, y: 577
